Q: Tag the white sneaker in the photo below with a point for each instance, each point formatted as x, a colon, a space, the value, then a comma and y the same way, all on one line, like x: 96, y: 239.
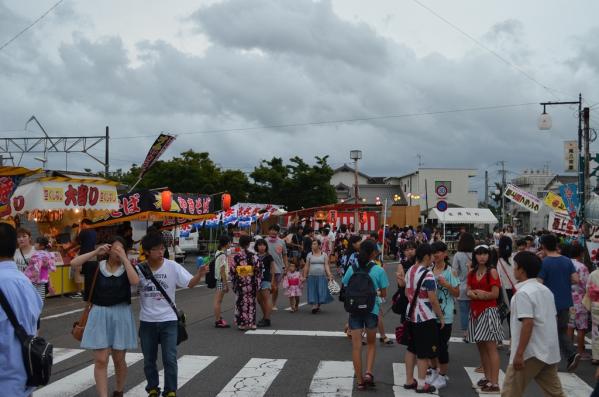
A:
x: 440, y: 382
x: 431, y: 377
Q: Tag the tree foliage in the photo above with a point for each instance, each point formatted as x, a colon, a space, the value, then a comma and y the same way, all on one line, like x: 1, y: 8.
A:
x: 294, y: 185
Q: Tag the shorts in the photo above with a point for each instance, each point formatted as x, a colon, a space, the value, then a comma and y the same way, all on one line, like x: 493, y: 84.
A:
x: 293, y: 254
x: 423, y: 339
x: 368, y: 321
x: 265, y: 285
x: 443, y: 350
x: 220, y: 286
x: 579, y: 317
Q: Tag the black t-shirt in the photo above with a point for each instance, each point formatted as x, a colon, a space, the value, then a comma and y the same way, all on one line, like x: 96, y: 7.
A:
x: 87, y: 241
x: 266, y: 262
x: 109, y: 291
x: 307, y: 245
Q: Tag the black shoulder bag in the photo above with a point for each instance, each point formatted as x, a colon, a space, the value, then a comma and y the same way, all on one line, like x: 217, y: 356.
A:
x: 37, y: 353
x: 402, y: 335
x: 181, y: 330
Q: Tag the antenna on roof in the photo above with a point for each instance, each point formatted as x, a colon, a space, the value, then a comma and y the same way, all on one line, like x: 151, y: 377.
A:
x: 420, y: 163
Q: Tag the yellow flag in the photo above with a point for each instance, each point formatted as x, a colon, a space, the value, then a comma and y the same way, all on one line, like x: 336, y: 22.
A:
x: 555, y: 202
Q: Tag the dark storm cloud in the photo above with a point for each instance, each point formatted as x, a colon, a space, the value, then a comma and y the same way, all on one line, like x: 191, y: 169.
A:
x: 274, y: 62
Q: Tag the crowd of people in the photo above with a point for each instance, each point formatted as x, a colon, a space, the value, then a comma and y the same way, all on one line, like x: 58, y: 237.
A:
x: 541, y: 289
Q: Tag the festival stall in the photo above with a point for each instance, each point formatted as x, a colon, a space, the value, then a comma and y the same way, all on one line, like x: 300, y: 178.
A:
x: 335, y: 215
x: 52, y: 203
x: 10, y: 178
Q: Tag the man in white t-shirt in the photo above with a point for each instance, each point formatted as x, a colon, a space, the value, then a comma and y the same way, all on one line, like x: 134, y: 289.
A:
x: 535, y: 348
x: 158, y: 321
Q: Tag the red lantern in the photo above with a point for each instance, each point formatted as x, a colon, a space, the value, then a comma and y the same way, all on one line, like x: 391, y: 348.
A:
x: 226, y: 201
x: 364, y: 219
x: 167, y: 199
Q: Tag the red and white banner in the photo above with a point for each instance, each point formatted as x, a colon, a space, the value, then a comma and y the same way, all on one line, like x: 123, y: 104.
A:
x: 347, y: 218
x: 562, y: 224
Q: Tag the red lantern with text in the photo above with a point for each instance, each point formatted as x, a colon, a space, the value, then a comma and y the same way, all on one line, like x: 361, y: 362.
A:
x: 226, y: 201
x: 167, y: 199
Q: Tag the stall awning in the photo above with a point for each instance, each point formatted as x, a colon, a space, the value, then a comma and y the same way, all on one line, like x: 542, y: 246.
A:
x: 464, y: 216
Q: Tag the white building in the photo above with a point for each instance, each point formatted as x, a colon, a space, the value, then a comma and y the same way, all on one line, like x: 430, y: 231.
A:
x: 369, y: 188
x: 419, y: 187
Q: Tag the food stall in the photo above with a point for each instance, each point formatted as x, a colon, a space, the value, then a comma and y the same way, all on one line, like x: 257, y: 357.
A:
x: 53, y: 202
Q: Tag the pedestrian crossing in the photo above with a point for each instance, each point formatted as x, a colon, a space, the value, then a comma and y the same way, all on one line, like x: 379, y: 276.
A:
x: 256, y: 376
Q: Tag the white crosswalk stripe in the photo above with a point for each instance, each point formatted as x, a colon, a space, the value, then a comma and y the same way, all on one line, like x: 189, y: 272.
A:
x: 573, y: 386
x: 254, y: 379
x: 399, y: 379
x: 333, y: 378
x: 187, y: 368
x: 475, y: 377
x: 61, y: 354
x: 80, y: 380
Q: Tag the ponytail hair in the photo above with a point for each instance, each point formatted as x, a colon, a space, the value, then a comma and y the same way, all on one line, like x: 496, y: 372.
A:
x: 367, y: 247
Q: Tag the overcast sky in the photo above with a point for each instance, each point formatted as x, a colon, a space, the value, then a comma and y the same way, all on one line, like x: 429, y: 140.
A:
x: 195, y: 68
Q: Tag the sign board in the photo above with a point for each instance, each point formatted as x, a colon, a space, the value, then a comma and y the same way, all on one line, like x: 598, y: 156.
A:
x: 442, y: 205
x: 523, y: 198
x: 555, y: 202
x: 569, y: 193
x: 441, y: 190
x: 562, y: 224
x: 570, y: 156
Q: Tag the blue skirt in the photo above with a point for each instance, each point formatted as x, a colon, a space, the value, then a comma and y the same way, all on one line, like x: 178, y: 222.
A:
x: 110, y: 327
x: 318, y: 290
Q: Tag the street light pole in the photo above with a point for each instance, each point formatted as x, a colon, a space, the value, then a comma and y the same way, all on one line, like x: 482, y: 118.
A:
x: 545, y: 124
x: 356, y: 155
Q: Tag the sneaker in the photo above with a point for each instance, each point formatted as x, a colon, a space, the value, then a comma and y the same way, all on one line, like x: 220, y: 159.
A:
x: 573, y: 362
x: 154, y: 392
x: 431, y: 376
x: 440, y: 382
x: 264, y: 323
x: 426, y: 389
x: 76, y: 295
x: 171, y: 394
x: 221, y: 324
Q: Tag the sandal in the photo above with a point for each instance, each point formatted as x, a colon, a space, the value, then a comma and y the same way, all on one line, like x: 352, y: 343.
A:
x: 369, y: 379
x: 427, y: 389
x: 361, y: 386
x: 412, y: 386
x: 386, y: 341
x: 480, y: 383
x: 490, y: 389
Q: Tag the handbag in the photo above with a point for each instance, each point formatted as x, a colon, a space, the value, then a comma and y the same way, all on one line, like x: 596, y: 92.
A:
x: 399, y: 302
x: 334, y: 287
x: 79, y: 326
x: 37, y: 353
x: 182, y: 335
x: 401, y: 332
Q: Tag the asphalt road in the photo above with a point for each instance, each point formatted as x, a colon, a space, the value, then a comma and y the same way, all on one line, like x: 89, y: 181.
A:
x: 287, y: 359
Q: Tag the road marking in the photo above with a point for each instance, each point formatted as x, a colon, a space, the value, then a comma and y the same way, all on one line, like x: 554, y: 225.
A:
x: 80, y: 310
x: 399, y: 379
x: 61, y: 354
x: 254, y: 379
x: 573, y: 386
x: 81, y: 380
x: 333, y: 378
x: 475, y: 377
x: 187, y: 368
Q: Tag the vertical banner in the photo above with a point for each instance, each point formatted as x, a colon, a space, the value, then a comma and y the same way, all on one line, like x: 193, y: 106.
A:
x: 555, y: 202
x: 8, y: 185
x: 160, y: 145
x: 569, y: 194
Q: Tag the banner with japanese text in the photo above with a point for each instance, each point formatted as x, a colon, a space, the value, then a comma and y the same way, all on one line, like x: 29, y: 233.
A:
x: 523, y: 198
x: 562, y: 224
x: 160, y: 145
x: 555, y: 203
x: 569, y: 193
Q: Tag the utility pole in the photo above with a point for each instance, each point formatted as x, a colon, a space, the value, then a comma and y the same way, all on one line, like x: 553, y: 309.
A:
x: 486, y: 188
x: 587, y: 157
x: 106, y: 157
x: 503, y: 183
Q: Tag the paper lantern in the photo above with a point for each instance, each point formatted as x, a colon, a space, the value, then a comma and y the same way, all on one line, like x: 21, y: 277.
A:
x: 226, y: 201
x: 167, y: 199
x: 364, y: 218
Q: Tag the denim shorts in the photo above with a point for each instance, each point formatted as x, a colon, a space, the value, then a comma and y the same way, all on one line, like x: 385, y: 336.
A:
x: 265, y: 285
x: 368, y: 321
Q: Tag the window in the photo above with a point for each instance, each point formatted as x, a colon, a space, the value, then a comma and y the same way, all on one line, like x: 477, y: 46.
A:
x: 446, y: 183
x: 541, y: 194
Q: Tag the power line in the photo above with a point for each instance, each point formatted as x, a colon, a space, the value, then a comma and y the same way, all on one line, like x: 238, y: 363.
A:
x: 329, y: 122
x: 30, y: 25
x: 491, y: 51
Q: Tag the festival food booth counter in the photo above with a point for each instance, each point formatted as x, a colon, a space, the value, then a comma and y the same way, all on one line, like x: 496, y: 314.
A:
x: 336, y: 215
x: 53, y: 204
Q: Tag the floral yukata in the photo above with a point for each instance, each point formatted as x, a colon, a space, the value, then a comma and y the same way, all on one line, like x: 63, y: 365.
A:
x: 246, y: 276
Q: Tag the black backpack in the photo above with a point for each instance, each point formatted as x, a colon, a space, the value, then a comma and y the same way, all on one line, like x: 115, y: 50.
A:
x: 360, y: 294
x: 37, y: 353
x: 211, y: 274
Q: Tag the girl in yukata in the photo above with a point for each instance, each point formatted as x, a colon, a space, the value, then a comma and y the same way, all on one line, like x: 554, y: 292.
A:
x: 293, y: 284
x: 246, y: 276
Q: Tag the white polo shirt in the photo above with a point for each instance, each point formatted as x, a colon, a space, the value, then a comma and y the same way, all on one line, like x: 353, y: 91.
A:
x: 534, y: 300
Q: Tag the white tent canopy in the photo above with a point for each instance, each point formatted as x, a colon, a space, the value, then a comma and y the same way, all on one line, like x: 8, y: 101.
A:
x: 464, y: 216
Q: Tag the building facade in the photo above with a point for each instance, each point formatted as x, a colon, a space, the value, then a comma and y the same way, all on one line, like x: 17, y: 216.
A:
x: 369, y: 188
x: 419, y: 187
